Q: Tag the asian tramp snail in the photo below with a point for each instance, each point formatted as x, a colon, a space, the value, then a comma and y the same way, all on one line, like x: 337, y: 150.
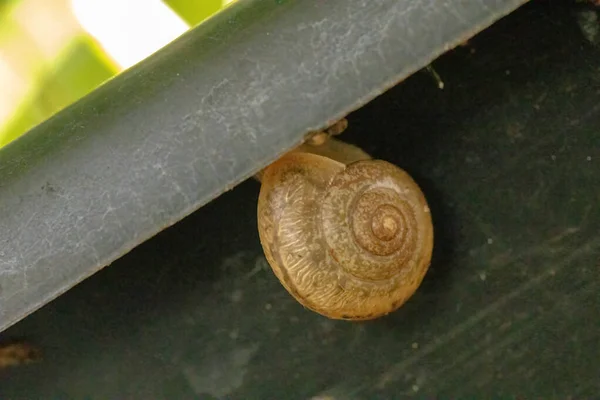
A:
x: 349, y: 237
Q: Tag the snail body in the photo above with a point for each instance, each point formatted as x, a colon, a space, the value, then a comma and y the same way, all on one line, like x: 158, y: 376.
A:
x: 349, y: 240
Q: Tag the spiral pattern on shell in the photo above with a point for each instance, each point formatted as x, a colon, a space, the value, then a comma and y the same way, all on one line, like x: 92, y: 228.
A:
x: 347, y: 241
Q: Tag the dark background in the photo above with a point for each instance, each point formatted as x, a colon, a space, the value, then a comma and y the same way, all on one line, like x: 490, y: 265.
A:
x: 508, y: 155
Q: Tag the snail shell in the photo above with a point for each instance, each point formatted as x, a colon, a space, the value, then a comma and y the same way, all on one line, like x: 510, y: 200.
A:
x: 347, y: 241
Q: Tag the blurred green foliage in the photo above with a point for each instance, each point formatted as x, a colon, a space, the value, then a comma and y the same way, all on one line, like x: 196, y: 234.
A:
x: 79, y: 69
x: 4, y: 4
x: 194, y: 11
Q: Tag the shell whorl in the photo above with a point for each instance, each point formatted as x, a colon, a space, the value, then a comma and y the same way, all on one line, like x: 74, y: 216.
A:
x: 347, y: 241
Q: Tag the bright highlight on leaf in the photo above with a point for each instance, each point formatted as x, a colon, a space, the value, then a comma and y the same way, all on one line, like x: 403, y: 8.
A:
x: 129, y: 30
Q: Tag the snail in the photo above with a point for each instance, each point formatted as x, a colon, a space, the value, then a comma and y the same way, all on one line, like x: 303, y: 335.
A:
x: 348, y: 236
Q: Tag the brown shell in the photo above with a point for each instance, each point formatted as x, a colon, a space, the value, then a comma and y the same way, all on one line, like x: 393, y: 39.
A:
x: 348, y: 242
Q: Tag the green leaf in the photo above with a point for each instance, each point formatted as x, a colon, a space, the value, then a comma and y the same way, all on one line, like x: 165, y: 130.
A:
x: 194, y: 11
x: 80, y: 69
